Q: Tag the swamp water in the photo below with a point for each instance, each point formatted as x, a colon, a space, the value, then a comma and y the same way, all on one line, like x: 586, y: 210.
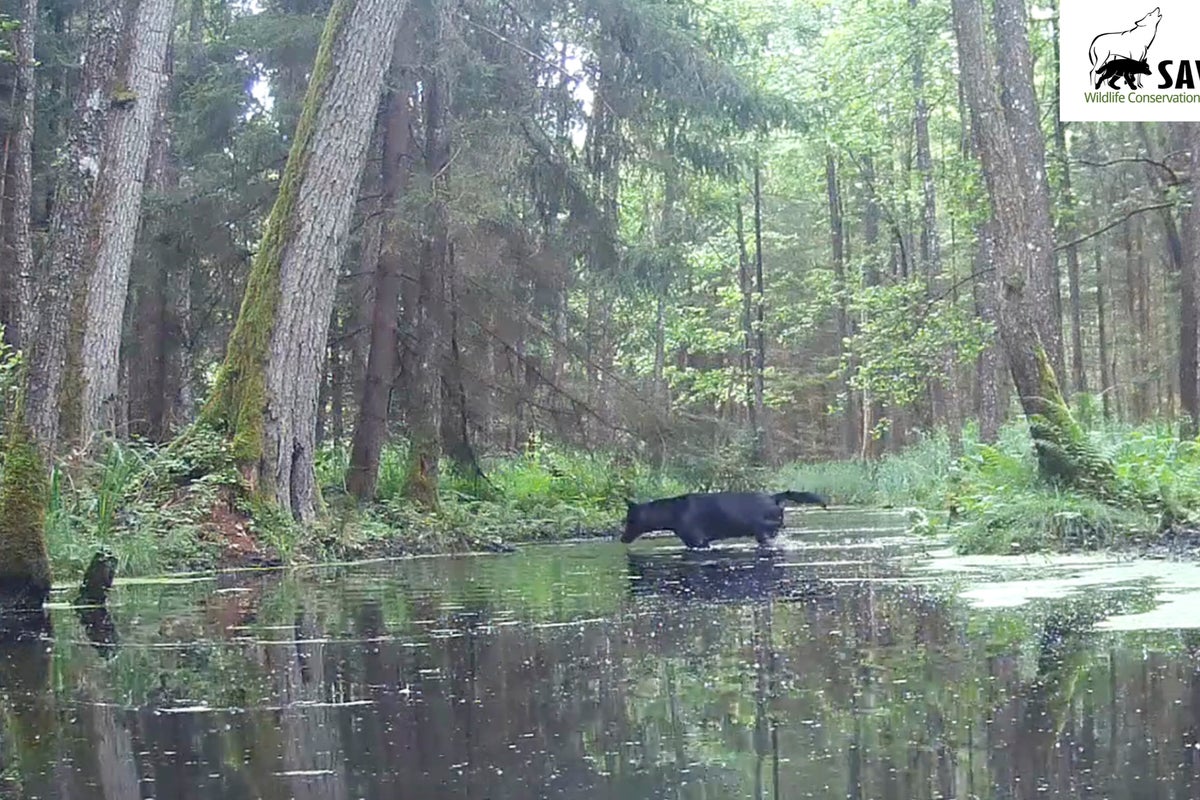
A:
x: 853, y: 662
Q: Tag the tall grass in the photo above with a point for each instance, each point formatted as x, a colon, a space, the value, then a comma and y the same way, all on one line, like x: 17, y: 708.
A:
x: 917, y: 476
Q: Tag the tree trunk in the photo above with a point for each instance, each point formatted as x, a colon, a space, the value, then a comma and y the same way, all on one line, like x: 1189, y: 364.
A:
x: 21, y: 157
x: 265, y: 395
x: 1020, y: 107
x: 1137, y: 367
x: 156, y: 337
x: 1063, y: 451
x: 117, y: 204
x: 1189, y: 277
x: 399, y: 149
x: 61, y: 279
x: 1180, y: 138
x: 24, y: 561
x: 1079, y: 381
x: 941, y: 387
x: 337, y: 382
x: 989, y: 374
x: 1106, y: 367
x: 872, y: 411
x: 424, y: 419
x: 361, y: 289
x: 456, y: 423
x: 837, y: 238
x: 747, y: 288
x: 760, y: 341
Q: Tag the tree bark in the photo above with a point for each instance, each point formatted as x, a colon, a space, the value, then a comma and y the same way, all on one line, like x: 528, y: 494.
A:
x: 265, y: 395
x: 24, y: 560
x: 1020, y: 107
x: 1079, y: 382
x: 22, y: 172
x: 872, y: 439
x: 157, y: 339
x: 941, y: 387
x: 370, y: 429
x: 1189, y: 313
x: 1179, y: 261
x: 1106, y: 366
x: 1136, y: 351
x: 71, y: 226
x: 837, y: 240
x: 425, y: 410
x: 1063, y: 451
x: 747, y: 288
x: 760, y: 341
x: 117, y: 203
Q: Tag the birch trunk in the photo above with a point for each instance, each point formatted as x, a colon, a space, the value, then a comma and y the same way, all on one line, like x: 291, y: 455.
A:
x: 118, y: 203
x: 265, y: 397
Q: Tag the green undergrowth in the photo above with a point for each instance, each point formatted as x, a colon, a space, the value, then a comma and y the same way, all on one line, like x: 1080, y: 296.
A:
x: 997, y: 504
x: 150, y: 506
x: 1000, y: 506
x: 167, y: 508
x: 547, y: 493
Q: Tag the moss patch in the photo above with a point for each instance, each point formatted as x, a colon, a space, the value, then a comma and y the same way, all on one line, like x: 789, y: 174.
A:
x: 1065, y: 455
x: 24, y: 562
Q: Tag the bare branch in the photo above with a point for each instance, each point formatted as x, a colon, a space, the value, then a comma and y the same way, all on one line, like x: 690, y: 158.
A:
x: 1113, y: 224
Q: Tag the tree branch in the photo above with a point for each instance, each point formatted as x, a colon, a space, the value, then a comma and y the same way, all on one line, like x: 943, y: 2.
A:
x: 1132, y: 160
x: 1113, y: 224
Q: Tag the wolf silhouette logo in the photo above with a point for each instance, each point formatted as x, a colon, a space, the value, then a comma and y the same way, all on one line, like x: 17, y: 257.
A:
x: 1123, y: 54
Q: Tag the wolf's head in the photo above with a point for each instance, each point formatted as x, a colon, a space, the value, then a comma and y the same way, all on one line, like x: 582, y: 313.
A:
x: 1151, y: 20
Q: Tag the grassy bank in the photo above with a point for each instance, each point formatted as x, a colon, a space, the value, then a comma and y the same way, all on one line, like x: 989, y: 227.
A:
x: 162, y: 509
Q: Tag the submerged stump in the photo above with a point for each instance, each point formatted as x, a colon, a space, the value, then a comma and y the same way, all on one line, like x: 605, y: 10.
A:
x: 97, y: 580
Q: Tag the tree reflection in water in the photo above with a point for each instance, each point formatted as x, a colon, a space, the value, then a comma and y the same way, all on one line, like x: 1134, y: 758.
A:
x: 596, y: 672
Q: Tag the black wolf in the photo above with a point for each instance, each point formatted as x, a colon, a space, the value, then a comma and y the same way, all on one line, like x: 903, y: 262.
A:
x: 701, y: 518
x: 1119, y: 68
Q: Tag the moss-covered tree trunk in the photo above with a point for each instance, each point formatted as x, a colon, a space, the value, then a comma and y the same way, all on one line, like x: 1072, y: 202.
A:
x: 71, y: 225
x: 24, y: 562
x: 118, y: 204
x: 1063, y: 451
x: 265, y: 396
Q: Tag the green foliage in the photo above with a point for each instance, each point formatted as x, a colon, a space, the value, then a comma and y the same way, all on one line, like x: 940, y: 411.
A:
x: 1006, y: 507
x: 903, y: 339
x: 916, y: 476
x: 546, y: 493
x: 147, y: 505
x: 10, y: 378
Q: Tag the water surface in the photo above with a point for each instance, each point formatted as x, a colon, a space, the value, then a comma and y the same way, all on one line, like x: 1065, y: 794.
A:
x: 853, y: 662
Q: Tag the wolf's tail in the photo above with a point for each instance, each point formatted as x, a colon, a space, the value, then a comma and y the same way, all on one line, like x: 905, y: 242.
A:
x: 801, y: 497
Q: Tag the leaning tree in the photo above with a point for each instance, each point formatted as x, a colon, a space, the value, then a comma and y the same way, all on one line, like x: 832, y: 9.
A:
x: 265, y: 396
